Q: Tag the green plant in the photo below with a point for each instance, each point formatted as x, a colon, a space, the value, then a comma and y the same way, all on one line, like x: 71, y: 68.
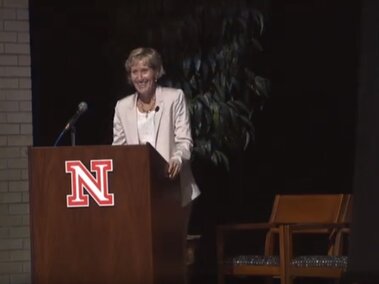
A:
x: 219, y: 79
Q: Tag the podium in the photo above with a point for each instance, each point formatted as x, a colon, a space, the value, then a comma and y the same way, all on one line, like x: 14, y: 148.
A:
x: 122, y: 225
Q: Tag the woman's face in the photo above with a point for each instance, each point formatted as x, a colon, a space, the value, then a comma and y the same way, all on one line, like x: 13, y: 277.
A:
x: 143, y: 78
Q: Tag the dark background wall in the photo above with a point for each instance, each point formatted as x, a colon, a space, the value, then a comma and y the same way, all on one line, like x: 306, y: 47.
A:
x: 305, y: 134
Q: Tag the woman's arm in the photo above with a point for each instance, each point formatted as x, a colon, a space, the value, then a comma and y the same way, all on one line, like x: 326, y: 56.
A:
x: 182, y: 135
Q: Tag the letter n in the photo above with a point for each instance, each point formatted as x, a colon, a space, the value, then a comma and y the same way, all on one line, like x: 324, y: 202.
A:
x: 97, y: 187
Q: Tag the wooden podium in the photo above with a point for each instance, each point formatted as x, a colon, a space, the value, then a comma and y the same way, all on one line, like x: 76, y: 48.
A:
x: 138, y: 240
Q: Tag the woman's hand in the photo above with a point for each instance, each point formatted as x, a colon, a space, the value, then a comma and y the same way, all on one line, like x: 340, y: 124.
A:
x: 174, y: 167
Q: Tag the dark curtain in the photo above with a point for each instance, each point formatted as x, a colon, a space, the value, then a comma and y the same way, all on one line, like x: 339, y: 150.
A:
x: 364, y: 248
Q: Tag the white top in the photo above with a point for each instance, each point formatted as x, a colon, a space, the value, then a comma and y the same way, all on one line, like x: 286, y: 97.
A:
x: 146, y: 127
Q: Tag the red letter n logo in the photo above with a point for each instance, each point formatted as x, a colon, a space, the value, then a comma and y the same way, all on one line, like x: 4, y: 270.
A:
x: 97, y: 187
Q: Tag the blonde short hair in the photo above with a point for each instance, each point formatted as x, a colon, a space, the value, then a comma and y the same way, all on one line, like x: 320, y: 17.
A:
x: 150, y: 56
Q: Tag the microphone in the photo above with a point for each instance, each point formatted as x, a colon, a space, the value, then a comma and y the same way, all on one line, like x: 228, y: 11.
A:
x: 82, y: 107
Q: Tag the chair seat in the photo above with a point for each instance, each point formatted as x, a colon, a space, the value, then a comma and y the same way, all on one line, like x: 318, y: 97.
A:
x: 320, y: 261
x: 254, y: 260
x: 300, y: 261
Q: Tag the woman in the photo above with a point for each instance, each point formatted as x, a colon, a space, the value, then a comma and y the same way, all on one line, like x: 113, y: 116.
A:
x: 156, y: 115
x: 159, y: 116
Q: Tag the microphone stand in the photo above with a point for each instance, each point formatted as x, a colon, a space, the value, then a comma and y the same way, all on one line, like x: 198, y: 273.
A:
x: 59, y: 137
x: 73, y: 132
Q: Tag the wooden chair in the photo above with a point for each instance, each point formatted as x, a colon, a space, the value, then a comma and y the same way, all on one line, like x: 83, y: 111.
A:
x: 272, y: 261
x: 332, y: 262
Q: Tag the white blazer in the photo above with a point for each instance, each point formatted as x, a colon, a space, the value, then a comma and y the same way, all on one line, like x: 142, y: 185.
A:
x: 172, y: 132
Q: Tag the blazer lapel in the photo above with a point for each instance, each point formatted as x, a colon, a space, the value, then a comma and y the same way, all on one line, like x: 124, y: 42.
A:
x: 131, y: 121
x: 158, y: 114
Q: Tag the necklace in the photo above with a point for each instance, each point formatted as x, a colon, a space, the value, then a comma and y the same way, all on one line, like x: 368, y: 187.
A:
x: 146, y: 107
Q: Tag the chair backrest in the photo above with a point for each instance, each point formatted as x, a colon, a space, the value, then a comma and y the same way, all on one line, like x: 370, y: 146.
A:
x: 307, y: 208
